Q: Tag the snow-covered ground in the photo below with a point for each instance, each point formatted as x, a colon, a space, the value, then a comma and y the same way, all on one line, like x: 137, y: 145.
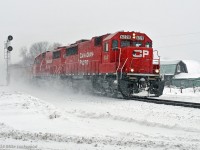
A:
x: 188, y: 94
x: 54, y: 118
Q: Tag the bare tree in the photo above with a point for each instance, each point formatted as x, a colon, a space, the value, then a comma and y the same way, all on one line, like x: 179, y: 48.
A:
x: 28, y: 55
x: 38, y: 48
x: 23, y: 52
x: 54, y: 46
x: 25, y: 56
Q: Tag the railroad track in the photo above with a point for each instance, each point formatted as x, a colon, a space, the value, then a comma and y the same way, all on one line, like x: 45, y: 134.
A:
x: 159, y: 101
x: 167, y: 102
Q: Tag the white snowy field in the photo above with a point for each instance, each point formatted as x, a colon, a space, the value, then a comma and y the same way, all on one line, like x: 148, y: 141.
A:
x: 46, y: 118
x: 188, y: 94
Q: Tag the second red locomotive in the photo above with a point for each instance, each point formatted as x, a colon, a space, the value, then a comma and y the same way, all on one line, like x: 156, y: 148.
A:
x: 122, y: 62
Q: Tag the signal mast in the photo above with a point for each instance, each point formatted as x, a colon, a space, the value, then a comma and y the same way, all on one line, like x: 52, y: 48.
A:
x: 7, y: 49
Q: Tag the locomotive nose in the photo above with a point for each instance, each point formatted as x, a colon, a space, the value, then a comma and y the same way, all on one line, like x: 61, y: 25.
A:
x: 140, y: 60
x: 140, y: 53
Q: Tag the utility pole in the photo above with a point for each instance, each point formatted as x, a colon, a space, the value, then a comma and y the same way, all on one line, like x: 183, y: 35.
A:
x: 7, y: 50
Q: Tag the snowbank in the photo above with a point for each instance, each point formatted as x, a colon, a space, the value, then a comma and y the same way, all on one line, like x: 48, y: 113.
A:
x: 87, y: 122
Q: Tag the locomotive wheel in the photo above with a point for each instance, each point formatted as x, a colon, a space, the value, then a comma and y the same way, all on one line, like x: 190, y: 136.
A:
x: 157, y: 88
x: 126, y: 88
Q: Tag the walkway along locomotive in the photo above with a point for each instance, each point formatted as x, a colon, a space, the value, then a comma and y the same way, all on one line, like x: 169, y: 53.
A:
x: 122, y: 62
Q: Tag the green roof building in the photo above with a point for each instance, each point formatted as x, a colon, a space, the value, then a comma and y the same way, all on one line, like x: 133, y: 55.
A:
x: 169, y: 69
x: 176, y: 73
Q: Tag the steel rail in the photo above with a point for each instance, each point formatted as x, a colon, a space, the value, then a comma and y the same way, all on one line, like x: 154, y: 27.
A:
x: 158, y: 101
x: 167, y: 102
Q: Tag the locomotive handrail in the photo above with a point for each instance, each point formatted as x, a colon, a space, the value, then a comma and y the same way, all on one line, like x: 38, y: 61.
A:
x: 122, y: 68
x: 158, y: 56
x: 120, y: 52
x: 41, y: 64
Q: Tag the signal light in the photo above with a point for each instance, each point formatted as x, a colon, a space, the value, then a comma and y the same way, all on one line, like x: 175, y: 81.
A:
x: 10, y: 38
x: 7, y: 44
x: 9, y: 48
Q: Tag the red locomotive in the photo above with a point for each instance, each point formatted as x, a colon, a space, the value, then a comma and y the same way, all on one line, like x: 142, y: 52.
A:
x: 122, y: 62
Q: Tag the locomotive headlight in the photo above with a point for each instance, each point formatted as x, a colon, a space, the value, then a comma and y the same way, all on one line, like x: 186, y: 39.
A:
x: 157, y: 70
x: 132, y: 70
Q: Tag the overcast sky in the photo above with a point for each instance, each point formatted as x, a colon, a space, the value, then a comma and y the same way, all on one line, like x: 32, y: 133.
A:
x: 173, y: 25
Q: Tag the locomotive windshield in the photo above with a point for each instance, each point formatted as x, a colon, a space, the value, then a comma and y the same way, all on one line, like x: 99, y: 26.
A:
x: 148, y: 44
x: 137, y: 43
x: 126, y: 43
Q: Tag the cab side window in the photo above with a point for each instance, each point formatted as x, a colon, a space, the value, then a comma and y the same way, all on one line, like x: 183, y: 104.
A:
x: 71, y: 51
x: 56, y: 55
x: 114, y: 44
x: 98, y: 41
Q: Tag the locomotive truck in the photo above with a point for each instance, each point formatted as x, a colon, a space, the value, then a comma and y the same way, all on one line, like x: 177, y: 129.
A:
x: 118, y: 63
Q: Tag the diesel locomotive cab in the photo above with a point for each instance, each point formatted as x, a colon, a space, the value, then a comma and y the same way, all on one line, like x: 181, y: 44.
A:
x: 138, y: 53
x: 137, y: 70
